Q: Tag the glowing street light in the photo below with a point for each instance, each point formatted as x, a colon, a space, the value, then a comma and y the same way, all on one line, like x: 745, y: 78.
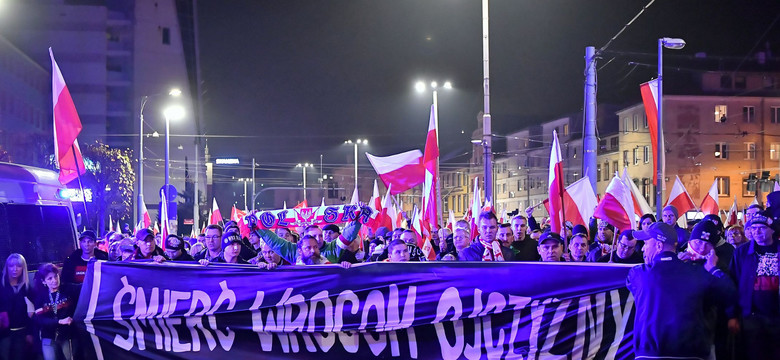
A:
x: 172, y: 112
x: 356, y: 143
x: 175, y: 92
x: 304, y: 166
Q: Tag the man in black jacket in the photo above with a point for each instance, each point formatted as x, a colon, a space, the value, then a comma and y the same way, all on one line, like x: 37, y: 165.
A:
x: 75, y: 266
x: 670, y: 298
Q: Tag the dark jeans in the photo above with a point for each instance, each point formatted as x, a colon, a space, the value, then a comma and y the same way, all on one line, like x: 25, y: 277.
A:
x: 761, y: 336
x: 14, y: 346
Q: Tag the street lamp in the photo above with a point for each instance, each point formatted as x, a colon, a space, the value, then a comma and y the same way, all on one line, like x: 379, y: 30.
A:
x: 138, y: 208
x: 356, y: 142
x: 304, y: 166
x: 420, y: 87
x: 172, y: 112
x: 674, y: 44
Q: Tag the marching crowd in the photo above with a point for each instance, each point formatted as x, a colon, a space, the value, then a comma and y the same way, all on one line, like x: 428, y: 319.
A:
x: 702, y: 292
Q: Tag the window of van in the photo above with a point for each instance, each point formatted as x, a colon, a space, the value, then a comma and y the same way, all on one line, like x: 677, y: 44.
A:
x: 41, y: 233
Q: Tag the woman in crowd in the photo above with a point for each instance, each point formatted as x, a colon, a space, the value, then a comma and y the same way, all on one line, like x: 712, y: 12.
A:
x: 735, y: 236
x: 54, y: 314
x: 15, y: 310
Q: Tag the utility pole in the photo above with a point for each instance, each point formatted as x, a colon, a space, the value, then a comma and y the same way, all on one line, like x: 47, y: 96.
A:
x: 589, y: 121
x: 487, y: 141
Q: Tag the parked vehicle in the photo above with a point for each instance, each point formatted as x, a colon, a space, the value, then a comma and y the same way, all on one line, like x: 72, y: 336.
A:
x: 36, y: 215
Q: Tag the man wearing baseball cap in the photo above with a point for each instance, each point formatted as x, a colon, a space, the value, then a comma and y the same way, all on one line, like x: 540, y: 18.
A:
x: 670, y: 298
x: 75, y: 266
x: 551, y: 247
x: 174, y: 248
x: 146, y: 247
x: 755, y: 269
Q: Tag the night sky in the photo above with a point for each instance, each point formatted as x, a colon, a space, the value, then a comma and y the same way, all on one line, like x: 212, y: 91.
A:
x: 294, y: 79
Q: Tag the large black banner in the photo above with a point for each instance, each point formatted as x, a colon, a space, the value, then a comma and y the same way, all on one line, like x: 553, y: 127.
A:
x: 435, y: 310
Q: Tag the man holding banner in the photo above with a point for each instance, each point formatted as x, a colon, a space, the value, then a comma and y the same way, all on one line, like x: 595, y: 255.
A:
x: 290, y: 251
x: 670, y: 298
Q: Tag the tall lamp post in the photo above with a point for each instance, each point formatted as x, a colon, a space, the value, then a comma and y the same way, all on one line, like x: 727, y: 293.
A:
x: 420, y: 87
x: 304, y: 166
x: 138, y: 208
x: 173, y: 112
x: 675, y: 44
x: 356, y: 143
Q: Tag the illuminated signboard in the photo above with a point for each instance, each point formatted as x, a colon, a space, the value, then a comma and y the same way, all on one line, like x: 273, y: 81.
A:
x: 226, y: 161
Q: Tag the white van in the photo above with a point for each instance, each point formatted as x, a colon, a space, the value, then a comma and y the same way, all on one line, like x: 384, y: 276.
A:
x: 36, y: 218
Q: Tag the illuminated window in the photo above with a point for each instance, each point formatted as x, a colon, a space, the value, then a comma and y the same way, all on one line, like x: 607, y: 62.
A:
x: 723, y: 186
x: 721, y: 114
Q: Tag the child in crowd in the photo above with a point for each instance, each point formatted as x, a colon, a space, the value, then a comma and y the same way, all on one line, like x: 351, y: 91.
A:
x: 53, y: 314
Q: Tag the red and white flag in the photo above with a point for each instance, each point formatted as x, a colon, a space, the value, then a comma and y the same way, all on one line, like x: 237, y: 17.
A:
x: 451, y: 221
x: 641, y: 206
x: 67, y: 127
x: 710, y: 203
x: 579, y: 201
x: 355, y: 197
x: 404, y: 171
x: 679, y: 197
x: 385, y: 213
x: 649, y: 92
x: 430, y: 210
x: 504, y: 217
x: 555, y: 181
x: 164, y: 219
x: 617, y: 207
x: 732, y: 218
x: 215, y: 217
x: 476, y: 208
x: 301, y: 205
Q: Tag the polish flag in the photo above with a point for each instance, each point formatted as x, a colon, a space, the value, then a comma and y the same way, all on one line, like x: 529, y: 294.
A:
x: 355, y: 197
x: 617, y: 207
x: 164, y: 219
x: 385, y: 214
x: 145, y: 220
x: 503, y: 218
x: 423, y: 235
x: 649, y: 92
x: 243, y: 227
x: 680, y: 198
x: 215, y: 217
x: 641, y: 206
x: 233, y: 216
x: 156, y: 229
x: 404, y: 171
x: 731, y: 218
x: 555, y: 181
x: 476, y: 208
x: 430, y: 210
x: 579, y: 201
x: 710, y: 203
x: 375, y: 203
x: 451, y: 222
x: 67, y: 127
x: 301, y: 205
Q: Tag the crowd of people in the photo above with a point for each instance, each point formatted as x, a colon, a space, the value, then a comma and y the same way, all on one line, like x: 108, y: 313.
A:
x: 701, y: 292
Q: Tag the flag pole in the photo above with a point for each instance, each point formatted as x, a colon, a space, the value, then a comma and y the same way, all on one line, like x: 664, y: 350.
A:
x: 612, y: 253
x: 563, y: 214
x: 81, y: 186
